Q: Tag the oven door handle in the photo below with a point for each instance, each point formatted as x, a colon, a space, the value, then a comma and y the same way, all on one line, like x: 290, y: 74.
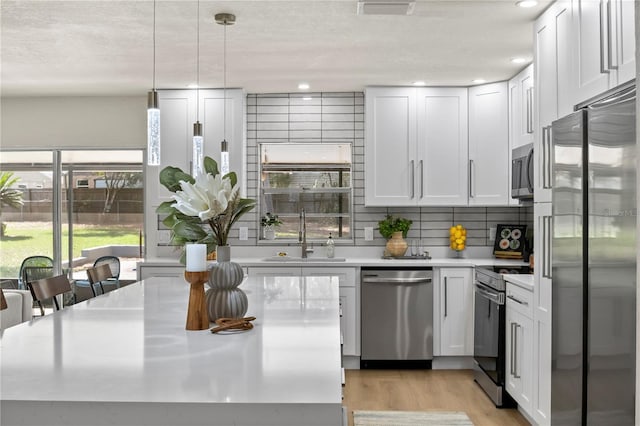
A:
x: 494, y: 297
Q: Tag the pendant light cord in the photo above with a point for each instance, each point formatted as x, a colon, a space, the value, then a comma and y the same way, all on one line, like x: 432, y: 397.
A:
x: 154, y: 45
x: 224, y: 82
x: 198, y: 65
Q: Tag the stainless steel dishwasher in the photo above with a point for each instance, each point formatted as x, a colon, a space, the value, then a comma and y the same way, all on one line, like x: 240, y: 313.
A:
x: 396, y: 318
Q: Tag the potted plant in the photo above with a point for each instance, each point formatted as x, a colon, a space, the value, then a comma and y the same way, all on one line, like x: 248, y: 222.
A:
x: 209, y: 199
x: 394, y: 229
x: 269, y: 222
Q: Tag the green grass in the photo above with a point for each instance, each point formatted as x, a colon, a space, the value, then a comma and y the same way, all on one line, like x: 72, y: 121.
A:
x: 24, y: 239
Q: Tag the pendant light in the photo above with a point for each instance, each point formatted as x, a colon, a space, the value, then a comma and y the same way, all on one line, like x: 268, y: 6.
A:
x: 198, y: 141
x: 224, y: 19
x: 153, y: 110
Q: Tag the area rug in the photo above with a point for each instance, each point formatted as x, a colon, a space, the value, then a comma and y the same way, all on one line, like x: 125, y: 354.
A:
x: 410, y: 418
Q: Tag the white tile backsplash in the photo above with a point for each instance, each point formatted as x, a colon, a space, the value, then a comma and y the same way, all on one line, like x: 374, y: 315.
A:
x: 340, y: 116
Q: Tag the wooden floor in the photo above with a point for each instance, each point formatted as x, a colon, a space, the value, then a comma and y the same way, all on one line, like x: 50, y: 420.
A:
x: 419, y: 390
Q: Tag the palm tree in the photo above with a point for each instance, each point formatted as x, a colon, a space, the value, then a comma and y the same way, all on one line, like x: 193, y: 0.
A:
x: 9, y: 196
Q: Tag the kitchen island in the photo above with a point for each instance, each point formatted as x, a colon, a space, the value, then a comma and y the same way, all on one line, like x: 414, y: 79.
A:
x: 125, y: 358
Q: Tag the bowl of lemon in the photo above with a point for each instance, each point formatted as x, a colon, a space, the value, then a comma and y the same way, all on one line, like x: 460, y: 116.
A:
x: 458, y: 239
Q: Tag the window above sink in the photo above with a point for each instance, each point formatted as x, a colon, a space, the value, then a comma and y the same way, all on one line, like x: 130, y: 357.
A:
x: 313, y: 176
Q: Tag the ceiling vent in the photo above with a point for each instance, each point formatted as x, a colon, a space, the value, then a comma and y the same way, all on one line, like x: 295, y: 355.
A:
x: 385, y: 7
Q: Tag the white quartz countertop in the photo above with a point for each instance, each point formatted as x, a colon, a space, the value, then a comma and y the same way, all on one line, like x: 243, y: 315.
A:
x: 521, y: 280
x: 129, y: 348
x: 358, y: 262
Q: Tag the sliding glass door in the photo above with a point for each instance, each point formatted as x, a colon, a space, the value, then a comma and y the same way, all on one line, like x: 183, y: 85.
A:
x: 76, y: 207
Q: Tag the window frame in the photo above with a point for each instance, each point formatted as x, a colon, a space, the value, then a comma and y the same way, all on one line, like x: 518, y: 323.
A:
x: 301, y: 167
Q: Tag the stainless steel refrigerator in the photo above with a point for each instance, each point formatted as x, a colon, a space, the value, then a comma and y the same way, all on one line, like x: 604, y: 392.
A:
x: 594, y: 263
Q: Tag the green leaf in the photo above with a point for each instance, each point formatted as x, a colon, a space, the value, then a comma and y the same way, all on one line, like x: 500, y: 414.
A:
x: 210, y: 166
x: 165, y: 208
x: 232, y: 177
x: 189, y: 230
x: 170, y: 178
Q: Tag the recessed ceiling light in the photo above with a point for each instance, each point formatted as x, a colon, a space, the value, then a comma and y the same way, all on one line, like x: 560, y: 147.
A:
x: 192, y: 86
x: 527, y: 3
x: 307, y: 98
x: 419, y: 83
x: 518, y: 60
x: 303, y: 86
x: 479, y: 81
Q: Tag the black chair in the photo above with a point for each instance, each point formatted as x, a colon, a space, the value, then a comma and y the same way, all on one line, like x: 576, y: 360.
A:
x: 35, y: 268
x: 33, y: 262
x: 114, y: 265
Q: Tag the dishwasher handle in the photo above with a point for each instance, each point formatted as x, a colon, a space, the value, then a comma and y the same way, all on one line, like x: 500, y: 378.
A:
x: 395, y: 280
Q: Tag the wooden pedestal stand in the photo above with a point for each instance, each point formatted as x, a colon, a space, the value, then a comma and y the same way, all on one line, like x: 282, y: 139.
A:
x: 197, y: 316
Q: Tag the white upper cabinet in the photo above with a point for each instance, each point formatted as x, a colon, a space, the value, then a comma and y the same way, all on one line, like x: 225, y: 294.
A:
x: 415, y: 146
x: 419, y: 142
x: 442, y: 147
x: 604, y: 54
x: 521, y: 106
x: 489, y: 153
x: 390, y: 148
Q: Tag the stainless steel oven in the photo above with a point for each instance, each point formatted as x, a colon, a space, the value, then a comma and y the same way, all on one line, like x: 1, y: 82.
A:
x: 489, y: 332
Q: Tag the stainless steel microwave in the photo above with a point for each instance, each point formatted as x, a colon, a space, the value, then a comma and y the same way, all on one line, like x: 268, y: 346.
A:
x: 522, y: 172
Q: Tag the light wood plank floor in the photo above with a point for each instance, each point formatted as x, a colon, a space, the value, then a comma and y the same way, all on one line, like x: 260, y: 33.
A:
x: 418, y: 390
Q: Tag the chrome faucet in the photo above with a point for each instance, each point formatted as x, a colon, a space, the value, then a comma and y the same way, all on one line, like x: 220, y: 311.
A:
x: 302, y: 235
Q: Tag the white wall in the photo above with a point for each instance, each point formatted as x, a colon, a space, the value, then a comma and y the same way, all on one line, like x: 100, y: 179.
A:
x: 74, y: 122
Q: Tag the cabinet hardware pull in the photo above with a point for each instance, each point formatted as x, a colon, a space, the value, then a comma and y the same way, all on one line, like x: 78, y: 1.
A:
x: 445, y: 297
x: 471, y: 192
x: 546, y: 160
x: 516, y: 374
x: 511, y: 353
x: 522, y: 302
x: 421, y: 179
x: 547, y: 235
x: 603, y: 69
x: 413, y: 181
x: 610, y: 63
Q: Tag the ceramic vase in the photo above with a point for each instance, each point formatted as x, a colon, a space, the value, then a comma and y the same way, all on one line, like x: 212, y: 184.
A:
x: 269, y: 232
x: 224, y: 299
x: 232, y: 303
x: 396, y: 245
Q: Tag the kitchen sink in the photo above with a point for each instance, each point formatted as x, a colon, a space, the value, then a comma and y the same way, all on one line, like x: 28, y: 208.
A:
x: 300, y: 259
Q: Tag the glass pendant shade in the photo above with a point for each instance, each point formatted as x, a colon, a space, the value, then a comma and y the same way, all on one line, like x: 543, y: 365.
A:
x: 198, y: 150
x: 153, y: 130
x: 224, y: 158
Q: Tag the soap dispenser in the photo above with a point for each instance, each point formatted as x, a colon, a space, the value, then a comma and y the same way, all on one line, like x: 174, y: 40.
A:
x: 331, y: 247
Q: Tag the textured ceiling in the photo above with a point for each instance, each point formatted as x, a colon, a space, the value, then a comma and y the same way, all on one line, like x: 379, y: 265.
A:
x: 84, y: 47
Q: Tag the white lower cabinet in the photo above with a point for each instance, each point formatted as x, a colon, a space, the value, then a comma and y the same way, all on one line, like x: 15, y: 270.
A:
x: 519, y: 346
x: 349, y: 299
x: 453, y: 312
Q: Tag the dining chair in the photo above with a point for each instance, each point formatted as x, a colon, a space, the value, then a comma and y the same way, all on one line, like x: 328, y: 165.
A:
x: 29, y: 270
x: 49, y: 288
x: 3, y: 301
x: 98, y: 274
x: 113, y: 263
